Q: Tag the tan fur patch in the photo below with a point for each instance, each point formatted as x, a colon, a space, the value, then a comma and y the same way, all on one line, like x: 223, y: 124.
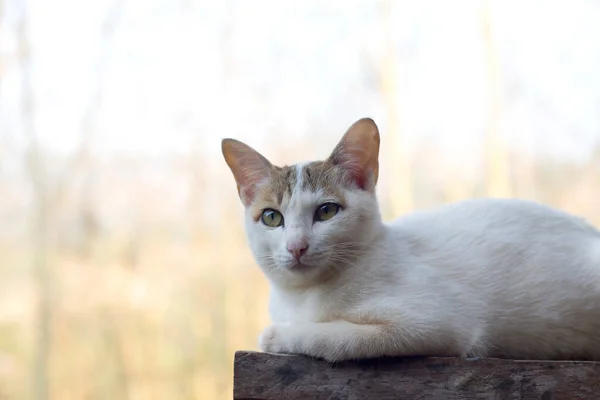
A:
x: 321, y: 176
x: 273, y: 194
x: 325, y: 177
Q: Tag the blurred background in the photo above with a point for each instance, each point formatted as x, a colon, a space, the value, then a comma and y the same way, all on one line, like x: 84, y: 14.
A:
x: 124, y: 270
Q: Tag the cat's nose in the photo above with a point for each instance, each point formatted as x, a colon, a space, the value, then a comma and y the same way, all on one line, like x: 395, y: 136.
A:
x: 297, y: 249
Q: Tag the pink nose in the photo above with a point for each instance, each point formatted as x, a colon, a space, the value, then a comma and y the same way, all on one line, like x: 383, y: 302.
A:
x: 297, y: 249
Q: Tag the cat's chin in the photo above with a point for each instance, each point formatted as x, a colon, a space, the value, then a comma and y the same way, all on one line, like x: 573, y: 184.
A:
x: 298, y: 266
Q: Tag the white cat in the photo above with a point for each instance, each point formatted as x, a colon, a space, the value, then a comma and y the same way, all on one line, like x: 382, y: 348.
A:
x: 478, y: 278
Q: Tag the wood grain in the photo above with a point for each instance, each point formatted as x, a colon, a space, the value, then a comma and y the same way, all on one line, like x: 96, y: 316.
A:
x: 260, y: 376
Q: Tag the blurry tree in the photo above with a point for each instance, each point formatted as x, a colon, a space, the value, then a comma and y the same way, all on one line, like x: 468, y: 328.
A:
x: 3, y: 62
x: 39, y: 227
x: 2, y: 146
x: 218, y: 318
x: 400, y: 195
x: 496, y: 153
x: 523, y: 162
x: 48, y: 193
x: 111, y: 346
x: 202, y: 210
x: 524, y: 172
x: 81, y: 160
x: 2, y: 67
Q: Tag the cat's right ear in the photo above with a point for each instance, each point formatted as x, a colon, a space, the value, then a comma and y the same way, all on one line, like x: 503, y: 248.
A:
x: 358, y: 153
x: 249, y: 168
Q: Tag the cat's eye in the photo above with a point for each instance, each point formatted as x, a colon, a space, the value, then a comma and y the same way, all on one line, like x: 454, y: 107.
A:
x: 272, y: 218
x: 326, y: 211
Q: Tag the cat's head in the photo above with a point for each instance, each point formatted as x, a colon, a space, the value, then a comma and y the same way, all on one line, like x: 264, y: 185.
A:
x: 309, y: 221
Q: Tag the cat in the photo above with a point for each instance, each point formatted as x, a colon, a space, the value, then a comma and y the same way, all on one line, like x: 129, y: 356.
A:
x: 503, y: 278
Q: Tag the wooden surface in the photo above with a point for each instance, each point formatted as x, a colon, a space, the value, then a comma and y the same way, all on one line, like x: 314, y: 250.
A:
x: 267, y: 376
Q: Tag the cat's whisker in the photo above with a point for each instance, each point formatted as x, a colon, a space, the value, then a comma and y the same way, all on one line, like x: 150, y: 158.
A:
x: 343, y: 262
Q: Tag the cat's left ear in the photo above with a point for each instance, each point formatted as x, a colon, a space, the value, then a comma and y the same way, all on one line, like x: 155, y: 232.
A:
x: 358, y: 153
x: 248, y: 166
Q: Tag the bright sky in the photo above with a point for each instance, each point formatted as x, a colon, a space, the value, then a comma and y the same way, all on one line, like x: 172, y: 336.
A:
x: 295, y: 66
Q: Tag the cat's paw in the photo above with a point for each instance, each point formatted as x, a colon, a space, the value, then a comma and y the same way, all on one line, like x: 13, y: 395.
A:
x: 276, y: 339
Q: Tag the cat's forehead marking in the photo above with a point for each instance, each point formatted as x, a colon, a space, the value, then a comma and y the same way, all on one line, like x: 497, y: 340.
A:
x: 300, y: 167
x: 273, y: 194
x: 320, y: 177
x: 283, y: 181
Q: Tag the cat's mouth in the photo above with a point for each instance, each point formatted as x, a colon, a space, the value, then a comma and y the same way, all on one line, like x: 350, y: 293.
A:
x: 299, y: 266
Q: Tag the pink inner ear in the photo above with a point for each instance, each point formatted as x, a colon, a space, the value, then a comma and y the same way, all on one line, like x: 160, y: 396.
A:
x: 361, y: 180
x: 247, y: 192
x: 249, y: 168
x: 357, y: 163
x: 357, y: 173
x: 358, y: 152
x: 251, y: 176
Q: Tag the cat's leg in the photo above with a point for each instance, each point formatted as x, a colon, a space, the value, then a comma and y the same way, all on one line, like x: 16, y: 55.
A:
x: 342, y: 340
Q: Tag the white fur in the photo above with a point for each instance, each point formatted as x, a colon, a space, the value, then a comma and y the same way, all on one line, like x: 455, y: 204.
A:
x: 486, y: 277
x: 299, y: 180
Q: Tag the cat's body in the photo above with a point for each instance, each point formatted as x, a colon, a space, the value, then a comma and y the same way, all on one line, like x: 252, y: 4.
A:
x: 528, y: 288
x: 496, y: 278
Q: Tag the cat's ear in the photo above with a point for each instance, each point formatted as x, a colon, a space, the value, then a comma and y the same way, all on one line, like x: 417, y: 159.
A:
x: 249, y: 168
x: 358, y: 153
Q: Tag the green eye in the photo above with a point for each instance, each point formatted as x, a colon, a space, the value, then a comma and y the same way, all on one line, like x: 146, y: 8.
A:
x: 326, y: 211
x: 272, y: 218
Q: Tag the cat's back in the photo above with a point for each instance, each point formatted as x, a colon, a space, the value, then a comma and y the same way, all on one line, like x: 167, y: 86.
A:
x: 493, y: 218
x: 504, y: 239
x: 527, y: 272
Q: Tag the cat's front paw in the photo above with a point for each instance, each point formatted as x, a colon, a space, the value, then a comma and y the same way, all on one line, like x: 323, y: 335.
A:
x: 276, y: 339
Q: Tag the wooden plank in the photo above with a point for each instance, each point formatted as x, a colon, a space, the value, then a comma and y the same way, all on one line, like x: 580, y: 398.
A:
x: 260, y: 376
